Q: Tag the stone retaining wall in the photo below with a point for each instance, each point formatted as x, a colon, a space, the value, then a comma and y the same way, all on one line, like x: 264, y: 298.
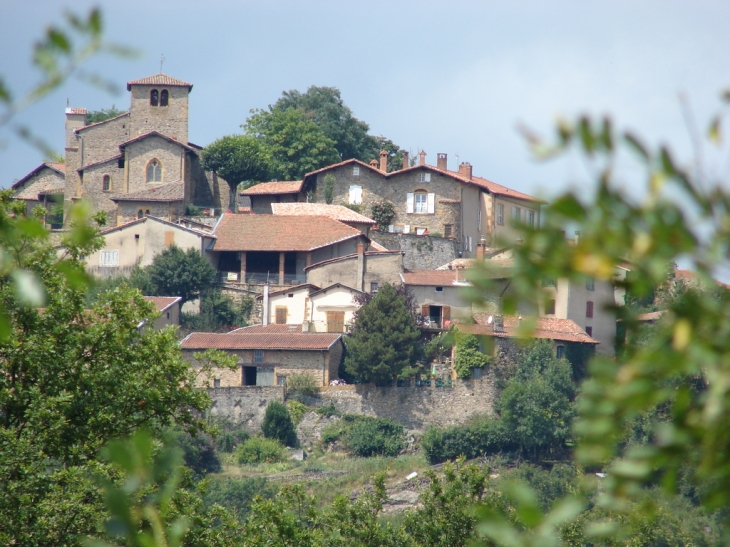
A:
x: 421, y: 252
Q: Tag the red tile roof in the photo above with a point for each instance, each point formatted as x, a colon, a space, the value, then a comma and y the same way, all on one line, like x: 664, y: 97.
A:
x: 551, y: 328
x: 240, y: 339
x: 268, y: 329
x: 172, y: 191
x: 157, y: 134
x: 337, y: 212
x: 280, y: 233
x: 429, y: 277
x: 163, y: 302
x: 159, y: 79
x: 651, y: 316
x: 268, y: 188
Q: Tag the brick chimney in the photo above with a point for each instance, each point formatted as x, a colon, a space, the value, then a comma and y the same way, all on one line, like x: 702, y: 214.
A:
x: 383, y: 161
x: 360, y: 266
x: 465, y: 170
x: 406, y: 160
x: 374, y: 163
x: 441, y: 161
x: 459, y: 273
x: 422, y: 158
x: 498, y: 323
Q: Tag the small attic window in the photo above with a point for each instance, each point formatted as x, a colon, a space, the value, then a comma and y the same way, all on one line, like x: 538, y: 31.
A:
x: 290, y: 295
x: 164, y: 96
x: 154, y: 97
x: 439, y: 289
x: 356, y: 171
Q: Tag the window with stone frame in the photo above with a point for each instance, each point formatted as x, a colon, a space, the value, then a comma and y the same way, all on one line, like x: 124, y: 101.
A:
x: 140, y: 214
x: 164, y: 97
x: 106, y: 183
x: 258, y: 356
x: 420, y: 202
x: 500, y: 214
x: 154, y: 171
x: 154, y: 97
x: 356, y: 171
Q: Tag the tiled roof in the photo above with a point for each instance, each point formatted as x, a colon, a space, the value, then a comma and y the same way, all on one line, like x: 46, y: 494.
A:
x: 268, y: 329
x: 172, y: 191
x: 279, y: 233
x: 159, y: 79
x: 102, y: 162
x: 429, y: 277
x: 295, y: 288
x: 241, y: 339
x: 268, y: 188
x: 375, y: 246
x: 564, y: 330
x: 75, y: 111
x: 80, y: 129
x: 163, y: 302
x: 651, y: 316
x: 350, y: 257
x: 50, y: 186
x: 334, y: 285
x: 337, y: 212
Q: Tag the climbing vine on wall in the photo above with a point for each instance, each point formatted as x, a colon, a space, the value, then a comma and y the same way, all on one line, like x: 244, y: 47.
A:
x: 382, y: 212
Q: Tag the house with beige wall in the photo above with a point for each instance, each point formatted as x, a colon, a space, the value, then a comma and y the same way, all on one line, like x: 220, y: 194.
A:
x: 362, y: 270
x: 267, y: 355
x: 138, y: 242
x: 168, y: 308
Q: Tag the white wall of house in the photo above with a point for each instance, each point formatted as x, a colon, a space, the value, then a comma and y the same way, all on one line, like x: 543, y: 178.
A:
x: 334, y: 299
x: 295, y: 304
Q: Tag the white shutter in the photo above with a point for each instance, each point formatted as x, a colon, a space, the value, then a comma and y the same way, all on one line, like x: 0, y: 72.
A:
x: 469, y: 243
x: 409, y: 202
x: 109, y: 258
x: 431, y: 204
x: 428, y: 177
x: 391, y: 228
x: 406, y: 228
x: 355, y: 195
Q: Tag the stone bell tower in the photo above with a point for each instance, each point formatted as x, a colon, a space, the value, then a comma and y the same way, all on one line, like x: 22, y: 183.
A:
x: 159, y: 103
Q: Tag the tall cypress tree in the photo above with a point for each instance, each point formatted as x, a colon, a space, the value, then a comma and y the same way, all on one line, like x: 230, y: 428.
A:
x: 384, y: 338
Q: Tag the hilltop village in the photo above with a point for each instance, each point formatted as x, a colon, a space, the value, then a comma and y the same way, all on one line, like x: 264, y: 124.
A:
x: 308, y: 252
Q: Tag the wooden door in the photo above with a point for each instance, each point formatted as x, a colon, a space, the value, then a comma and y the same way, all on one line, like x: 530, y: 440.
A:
x: 335, y: 321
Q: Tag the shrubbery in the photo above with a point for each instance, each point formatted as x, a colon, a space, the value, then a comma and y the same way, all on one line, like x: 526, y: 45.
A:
x: 484, y: 436
x: 300, y: 385
x: 366, y: 436
x: 260, y: 450
x: 229, y: 436
x: 236, y: 495
x: 468, y: 356
x: 278, y: 424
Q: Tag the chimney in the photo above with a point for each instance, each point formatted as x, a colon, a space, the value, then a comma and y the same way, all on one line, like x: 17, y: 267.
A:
x: 374, y: 164
x: 75, y: 119
x: 422, y: 158
x: 383, y: 161
x: 459, y: 273
x: 360, y: 266
x: 441, y: 161
x: 265, y: 306
x: 465, y: 170
x: 498, y: 323
x: 480, y: 248
x: 406, y: 160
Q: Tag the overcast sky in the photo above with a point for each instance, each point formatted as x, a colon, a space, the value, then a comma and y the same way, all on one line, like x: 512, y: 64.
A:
x: 453, y: 77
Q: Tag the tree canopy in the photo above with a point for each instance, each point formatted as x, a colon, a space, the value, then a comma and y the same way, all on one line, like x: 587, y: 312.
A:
x: 384, y: 338
x: 175, y: 272
x: 96, y: 116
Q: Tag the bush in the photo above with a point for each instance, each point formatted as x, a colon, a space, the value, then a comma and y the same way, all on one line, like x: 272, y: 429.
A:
x: 229, y: 436
x: 300, y: 385
x: 482, y: 437
x: 382, y: 212
x: 468, y: 356
x: 328, y: 410
x: 297, y: 411
x: 236, y: 495
x: 260, y: 450
x: 199, y: 452
x: 365, y: 436
x: 278, y: 424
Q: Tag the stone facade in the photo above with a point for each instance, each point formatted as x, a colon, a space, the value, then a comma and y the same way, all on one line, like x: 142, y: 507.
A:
x: 359, y: 272
x: 419, y: 252
x: 244, y: 405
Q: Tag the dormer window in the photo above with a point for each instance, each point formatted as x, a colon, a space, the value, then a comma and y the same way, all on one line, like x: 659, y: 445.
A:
x: 154, y: 171
x: 164, y: 96
x: 154, y: 97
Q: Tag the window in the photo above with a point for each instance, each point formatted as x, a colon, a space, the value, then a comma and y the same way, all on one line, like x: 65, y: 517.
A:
x: 154, y: 171
x: 448, y: 230
x: 280, y: 315
x: 280, y: 380
x: 356, y: 171
x: 154, y: 97
x: 421, y: 230
x: 335, y: 321
x: 589, y: 309
x: 560, y: 352
x: 109, y: 258
x: 140, y: 214
x: 424, y: 177
x: 476, y: 373
x: 468, y: 241
x: 290, y: 295
x: 531, y: 218
x: 216, y: 382
x: 590, y: 284
x: 355, y: 195
x: 168, y: 315
x: 500, y: 214
x: 164, y: 97
x: 420, y: 203
x: 258, y: 356
x: 550, y: 307
x: 516, y: 214
x: 373, y: 288
x: 147, y: 212
x: 589, y: 331
x: 439, y: 289
x: 106, y: 183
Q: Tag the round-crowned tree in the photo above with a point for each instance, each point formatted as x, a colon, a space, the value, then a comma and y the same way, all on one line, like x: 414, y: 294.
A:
x: 278, y: 424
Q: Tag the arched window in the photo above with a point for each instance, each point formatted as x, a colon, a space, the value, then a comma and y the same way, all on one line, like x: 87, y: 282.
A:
x: 140, y: 214
x: 164, y: 97
x: 147, y: 213
x: 153, y: 97
x: 106, y: 183
x: 420, y: 203
x: 154, y: 171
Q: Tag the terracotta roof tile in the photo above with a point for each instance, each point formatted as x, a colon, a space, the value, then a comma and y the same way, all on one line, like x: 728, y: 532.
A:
x: 337, y: 212
x: 351, y: 257
x: 279, y: 233
x: 239, y: 339
x: 552, y: 328
x: 429, y: 277
x: 172, y: 191
x: 268, y: 329
x: 159, y: 79
x: 32, y: 191
x: 163, y: 302
x: 75, y: 111
x: 268, y: 188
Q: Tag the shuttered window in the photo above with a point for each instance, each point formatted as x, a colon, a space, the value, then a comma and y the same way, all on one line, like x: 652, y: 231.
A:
x: 589, y: 309
x: 280, y: 315
x: 355, y: 195
x: 109, y: 258
x: 335, y: 321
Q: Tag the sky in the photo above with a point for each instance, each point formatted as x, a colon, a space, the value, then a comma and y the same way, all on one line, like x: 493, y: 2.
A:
x: 456, y: 77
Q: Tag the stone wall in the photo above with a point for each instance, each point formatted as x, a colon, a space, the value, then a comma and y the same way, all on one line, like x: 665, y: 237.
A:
x: 414, y: 407
x: 244, y: 405
x: 421, y: 252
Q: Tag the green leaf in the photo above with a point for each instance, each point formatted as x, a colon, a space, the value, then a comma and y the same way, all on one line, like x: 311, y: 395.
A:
x: 28, y: 287
x: 636, y: 145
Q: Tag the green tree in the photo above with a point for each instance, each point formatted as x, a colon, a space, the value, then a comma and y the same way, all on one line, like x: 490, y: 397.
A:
x: 175, y: 272
x: 384, y: 338
x: 278, y: 424
x: 295, y: 143
x: 96, y: 116
x: 218, y: 313
x: 239, y: 159
x: 468, y: 356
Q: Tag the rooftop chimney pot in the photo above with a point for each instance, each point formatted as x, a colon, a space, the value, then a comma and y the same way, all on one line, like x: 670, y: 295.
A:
x: 406, y: 160
x: 383, y: 161
x: 422, y: 158
x: 441, y: 161
x: 465, y: 170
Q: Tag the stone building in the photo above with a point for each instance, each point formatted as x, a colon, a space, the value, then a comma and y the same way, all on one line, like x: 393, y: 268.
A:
x: 43, y: 186
x: 137, y: 163
x: 267, y: 355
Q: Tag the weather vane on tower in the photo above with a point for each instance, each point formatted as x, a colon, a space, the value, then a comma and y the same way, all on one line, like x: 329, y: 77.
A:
x: 162, y: 60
